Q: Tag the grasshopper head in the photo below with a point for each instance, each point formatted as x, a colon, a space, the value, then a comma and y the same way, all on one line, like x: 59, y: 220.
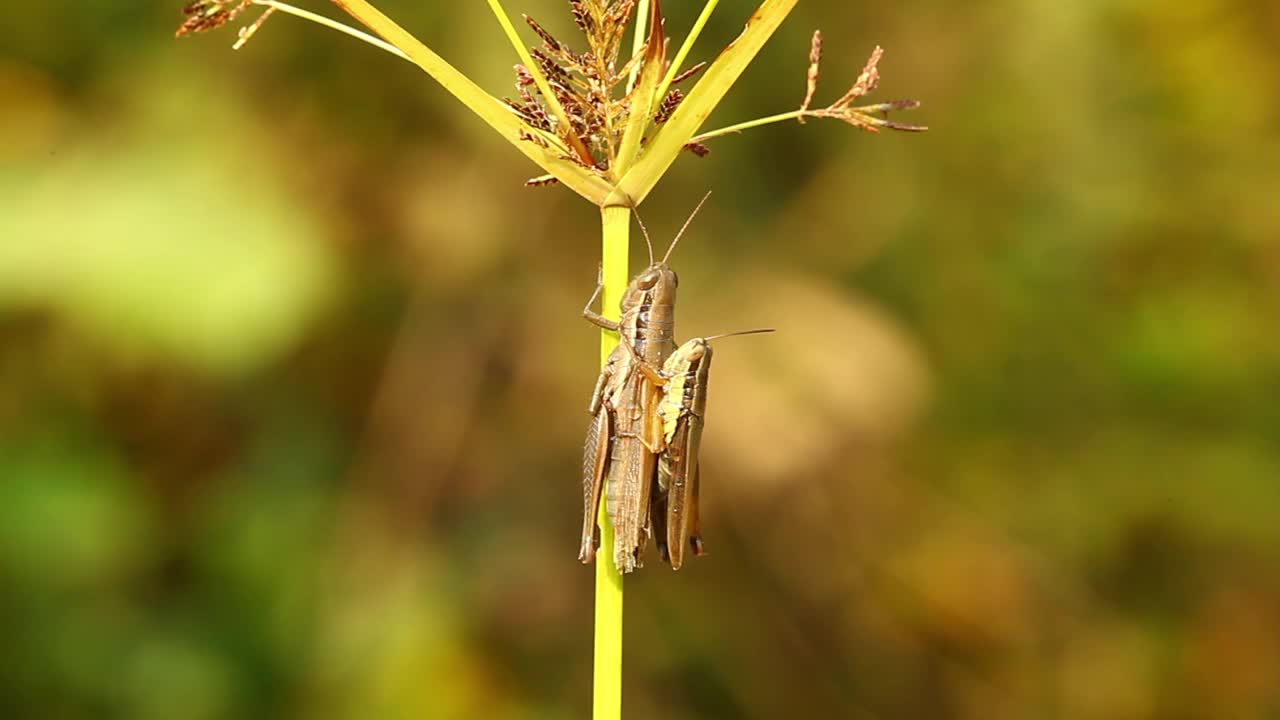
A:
x: 687, y: 357
x: 697, y: 351
x: 655, y: 286
x: 694, y: 350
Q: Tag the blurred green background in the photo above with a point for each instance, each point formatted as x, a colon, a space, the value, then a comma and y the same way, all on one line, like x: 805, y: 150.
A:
x: 292, y: 379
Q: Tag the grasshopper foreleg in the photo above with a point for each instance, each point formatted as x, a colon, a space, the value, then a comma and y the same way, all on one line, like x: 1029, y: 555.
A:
x: 594, y: 317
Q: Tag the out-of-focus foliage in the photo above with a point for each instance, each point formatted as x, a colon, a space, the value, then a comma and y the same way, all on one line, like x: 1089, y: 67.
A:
x: 292, y: 381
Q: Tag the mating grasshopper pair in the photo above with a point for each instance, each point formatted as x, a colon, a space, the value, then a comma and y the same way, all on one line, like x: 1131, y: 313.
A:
x: 647, y: 413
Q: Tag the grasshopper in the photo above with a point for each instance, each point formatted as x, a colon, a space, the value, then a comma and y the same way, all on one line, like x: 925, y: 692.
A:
x: 682, y: 412
x: 625, y: 435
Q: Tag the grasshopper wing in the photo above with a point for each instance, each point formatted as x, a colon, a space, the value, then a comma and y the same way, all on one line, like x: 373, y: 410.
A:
x: 680, y: 467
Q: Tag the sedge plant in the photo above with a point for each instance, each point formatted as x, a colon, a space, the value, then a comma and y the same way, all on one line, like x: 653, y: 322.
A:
x: 606, y: 120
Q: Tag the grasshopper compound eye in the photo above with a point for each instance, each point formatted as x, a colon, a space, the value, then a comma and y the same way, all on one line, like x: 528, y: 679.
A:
x: 648, y: 279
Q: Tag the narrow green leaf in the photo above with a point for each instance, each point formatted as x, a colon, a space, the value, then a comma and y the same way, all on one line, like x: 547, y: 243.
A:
x: 638, y: 39
x: 683, y: 53
x: 498, y: 116
x: 643, y: 100
x: 697, y: 106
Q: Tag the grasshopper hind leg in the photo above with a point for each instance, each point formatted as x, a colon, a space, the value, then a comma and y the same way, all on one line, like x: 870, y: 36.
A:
x: 658, y: 523
x: 595, y: 461
x: 695, y: 524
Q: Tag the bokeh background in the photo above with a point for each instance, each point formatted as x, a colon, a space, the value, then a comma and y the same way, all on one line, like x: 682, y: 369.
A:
x: 292, y: 378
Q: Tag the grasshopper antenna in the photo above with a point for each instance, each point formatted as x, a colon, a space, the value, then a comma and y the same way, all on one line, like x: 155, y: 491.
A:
x: 680, y: 234
x: 648, y: 242
x: 740, y: 332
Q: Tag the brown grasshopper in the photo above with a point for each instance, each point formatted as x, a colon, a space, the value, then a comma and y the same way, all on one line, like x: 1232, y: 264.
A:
x: 625, y: 435
x: 682, y: 412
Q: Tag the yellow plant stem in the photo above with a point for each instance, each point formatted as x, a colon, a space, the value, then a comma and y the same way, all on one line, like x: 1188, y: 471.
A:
x: 607, y: 676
